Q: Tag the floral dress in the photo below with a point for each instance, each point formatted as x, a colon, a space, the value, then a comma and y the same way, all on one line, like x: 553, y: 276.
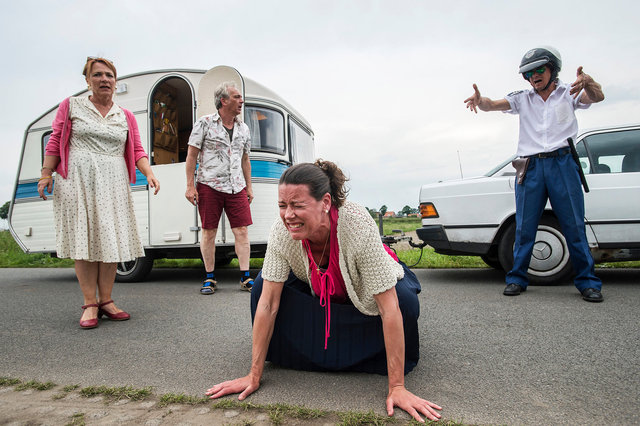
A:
x: 93, y: 207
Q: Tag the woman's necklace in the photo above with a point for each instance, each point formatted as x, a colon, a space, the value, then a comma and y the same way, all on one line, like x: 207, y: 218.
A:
x: 322, y: 255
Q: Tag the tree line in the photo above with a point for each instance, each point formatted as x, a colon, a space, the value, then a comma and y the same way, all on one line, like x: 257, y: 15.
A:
x: 406, y: 211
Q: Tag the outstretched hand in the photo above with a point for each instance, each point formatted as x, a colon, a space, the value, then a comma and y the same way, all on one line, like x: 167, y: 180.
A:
x: 473, y: 101
x: 581, y: 82
x: 400, y: 397
x: 245, y: 386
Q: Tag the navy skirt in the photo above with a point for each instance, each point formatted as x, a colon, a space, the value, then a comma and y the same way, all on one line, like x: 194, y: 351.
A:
x: 356, y: 341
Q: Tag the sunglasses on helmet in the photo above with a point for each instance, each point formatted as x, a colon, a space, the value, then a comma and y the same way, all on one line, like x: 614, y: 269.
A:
x: 539, y: 70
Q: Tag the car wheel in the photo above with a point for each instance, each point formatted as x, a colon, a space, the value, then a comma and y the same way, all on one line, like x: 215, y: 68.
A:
x: 550, y: 258
x: 135, y: 270
x: 491, y: 260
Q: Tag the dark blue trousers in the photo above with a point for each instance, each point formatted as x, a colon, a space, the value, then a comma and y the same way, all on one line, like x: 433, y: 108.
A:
x: 557, y: 180
x: 356, y: 341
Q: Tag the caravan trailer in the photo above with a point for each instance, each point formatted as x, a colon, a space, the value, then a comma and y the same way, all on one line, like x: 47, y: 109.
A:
x: 166, y: 103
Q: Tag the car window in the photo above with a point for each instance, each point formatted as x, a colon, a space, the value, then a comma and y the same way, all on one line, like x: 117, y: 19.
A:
x: 611, y: 152
x: 503, y: 169
x: 584, y: 158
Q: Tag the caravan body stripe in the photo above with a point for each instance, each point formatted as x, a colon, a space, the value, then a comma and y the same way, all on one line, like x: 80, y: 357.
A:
x: 260, y: 169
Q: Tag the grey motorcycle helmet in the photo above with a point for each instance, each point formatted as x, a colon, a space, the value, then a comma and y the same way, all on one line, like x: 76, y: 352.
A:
x: 539, y: 56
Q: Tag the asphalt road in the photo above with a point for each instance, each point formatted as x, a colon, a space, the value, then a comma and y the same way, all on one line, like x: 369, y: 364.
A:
x: 545, y: 357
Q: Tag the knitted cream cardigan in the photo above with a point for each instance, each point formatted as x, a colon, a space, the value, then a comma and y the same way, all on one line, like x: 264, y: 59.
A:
x: 366, y: 267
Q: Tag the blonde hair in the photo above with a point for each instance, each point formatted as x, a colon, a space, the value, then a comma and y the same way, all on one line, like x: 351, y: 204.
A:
x: 86, y: 71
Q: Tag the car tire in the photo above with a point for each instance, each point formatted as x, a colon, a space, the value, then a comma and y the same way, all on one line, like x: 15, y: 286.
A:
x: 135, y: 270
x: 550, y: 263
x: 492, y: 260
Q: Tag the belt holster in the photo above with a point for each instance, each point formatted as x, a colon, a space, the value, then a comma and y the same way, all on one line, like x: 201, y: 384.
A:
x: 520, y: 164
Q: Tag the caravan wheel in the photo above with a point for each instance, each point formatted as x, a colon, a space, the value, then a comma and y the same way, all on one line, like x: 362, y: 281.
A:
x: 136, y: 270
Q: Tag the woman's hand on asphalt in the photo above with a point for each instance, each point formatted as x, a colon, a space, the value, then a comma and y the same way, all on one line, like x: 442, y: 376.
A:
x: 400, y: 397
x: 245, y: 386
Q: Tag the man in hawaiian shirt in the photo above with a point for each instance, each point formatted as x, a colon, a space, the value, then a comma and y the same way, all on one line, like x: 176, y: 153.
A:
x: 221, y: 143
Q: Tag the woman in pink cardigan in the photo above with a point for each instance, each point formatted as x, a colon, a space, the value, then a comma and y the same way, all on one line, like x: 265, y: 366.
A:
x: 94, y: 149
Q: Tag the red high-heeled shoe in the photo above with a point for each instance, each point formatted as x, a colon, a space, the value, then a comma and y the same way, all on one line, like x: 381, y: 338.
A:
x: 93, y: 322
x: 120, y: 316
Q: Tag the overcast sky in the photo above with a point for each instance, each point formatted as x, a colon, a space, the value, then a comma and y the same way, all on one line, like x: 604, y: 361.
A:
x: 381, y: 82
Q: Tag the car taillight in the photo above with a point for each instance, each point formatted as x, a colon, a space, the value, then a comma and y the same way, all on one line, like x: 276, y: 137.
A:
x: 428, y: 210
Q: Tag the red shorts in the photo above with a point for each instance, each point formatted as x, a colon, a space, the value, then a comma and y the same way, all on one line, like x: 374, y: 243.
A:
x: 212, y: 202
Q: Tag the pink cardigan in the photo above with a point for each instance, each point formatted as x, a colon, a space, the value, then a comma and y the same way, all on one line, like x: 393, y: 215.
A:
x: 58, y: 143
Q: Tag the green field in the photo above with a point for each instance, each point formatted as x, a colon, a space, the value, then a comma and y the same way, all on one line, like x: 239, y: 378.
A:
x: 11, y: 256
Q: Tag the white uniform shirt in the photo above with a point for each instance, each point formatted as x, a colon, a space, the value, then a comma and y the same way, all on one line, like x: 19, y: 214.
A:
x: 220, y: 158
x: 545, y: 126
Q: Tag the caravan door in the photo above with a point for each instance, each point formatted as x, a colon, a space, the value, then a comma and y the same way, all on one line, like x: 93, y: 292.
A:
x: 172, y: 219
x: 205, y: 105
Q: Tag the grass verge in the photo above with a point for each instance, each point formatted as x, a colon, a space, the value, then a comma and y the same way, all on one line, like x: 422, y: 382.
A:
x: 172, y: 398
x: 8, y: 381
x: 12, y: 256
x: 77, y: 420
x: 32, y: 384
x: 116, y: 393
x: 279, y: 414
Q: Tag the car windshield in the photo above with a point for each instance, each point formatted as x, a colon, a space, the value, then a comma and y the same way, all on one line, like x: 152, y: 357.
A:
x: 499, y: 167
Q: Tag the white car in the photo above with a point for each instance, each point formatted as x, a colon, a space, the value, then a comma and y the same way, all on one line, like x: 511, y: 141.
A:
x: 476, y: 216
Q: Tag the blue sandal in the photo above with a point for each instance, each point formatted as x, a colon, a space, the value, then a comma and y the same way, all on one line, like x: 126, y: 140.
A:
x: 209, y: 286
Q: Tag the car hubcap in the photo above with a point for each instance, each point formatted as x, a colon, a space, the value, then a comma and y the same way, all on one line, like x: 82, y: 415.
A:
x: 550, y: 252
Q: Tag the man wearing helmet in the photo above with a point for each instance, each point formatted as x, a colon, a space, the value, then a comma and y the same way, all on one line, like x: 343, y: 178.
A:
x: 547, y: 119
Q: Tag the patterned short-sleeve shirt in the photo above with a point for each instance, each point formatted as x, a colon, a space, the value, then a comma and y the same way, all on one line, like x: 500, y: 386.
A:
x: 220, y: 157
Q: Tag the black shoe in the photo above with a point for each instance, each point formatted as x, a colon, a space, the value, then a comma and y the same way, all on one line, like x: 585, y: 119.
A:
x: 513, y: 290
x: 592, y: 295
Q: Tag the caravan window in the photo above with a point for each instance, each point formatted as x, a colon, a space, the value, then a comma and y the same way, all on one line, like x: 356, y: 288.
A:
x: 267, y: 129
x: 301, y: 143
x: 45, y: 140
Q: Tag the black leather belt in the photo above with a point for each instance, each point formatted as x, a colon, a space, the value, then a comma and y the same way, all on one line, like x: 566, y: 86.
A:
x: 557, y: 153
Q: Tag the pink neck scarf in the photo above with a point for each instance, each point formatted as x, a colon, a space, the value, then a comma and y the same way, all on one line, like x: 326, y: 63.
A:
x: 328, y: 284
